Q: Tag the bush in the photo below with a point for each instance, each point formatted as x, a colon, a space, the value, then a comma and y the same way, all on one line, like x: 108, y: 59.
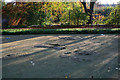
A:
x: 60, y: 31
x: 114, y: 17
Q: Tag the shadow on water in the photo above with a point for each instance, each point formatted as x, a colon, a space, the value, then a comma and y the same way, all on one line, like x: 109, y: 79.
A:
x: 12, y: 38
x: 59, y: 67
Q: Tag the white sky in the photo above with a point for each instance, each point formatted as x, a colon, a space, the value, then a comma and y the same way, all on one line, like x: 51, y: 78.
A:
x: 102, y: 1
x: 108, y: 1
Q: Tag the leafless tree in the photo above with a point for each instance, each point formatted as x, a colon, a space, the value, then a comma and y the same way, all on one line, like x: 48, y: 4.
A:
x: 89, y: 11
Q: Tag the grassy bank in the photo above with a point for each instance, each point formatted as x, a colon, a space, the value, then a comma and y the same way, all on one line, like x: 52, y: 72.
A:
x: 61, y: 31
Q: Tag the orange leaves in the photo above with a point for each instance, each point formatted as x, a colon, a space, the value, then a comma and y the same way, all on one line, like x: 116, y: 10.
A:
x: 103, y: 10
x: 16, y: 22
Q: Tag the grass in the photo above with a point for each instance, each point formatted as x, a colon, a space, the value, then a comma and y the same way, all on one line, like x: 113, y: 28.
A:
x: 61, y: 31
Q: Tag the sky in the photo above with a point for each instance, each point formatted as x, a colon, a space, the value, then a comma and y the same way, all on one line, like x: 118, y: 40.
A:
x: 101, y: 1
x: 108, y: 1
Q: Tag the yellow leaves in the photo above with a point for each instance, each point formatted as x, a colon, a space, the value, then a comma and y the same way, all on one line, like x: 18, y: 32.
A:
x: 45, y: 5
x: 69, y: 76
x: 110, y: 13
x: 66, y: 77
x: 71, y: 8
x: 93, y: 17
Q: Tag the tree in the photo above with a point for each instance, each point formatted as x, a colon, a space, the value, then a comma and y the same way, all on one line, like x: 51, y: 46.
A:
x: 89, y: 11
x: 21, y: 13
x: 114, y: 17
x: 73, y: 14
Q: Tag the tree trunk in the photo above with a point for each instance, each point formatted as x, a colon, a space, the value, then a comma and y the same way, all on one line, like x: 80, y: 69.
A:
x: 89, y: 11
x: 84, y: 5
x: 69, y: 17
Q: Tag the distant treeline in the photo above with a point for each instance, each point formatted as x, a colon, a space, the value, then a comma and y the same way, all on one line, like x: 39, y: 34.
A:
x: 49, y: 13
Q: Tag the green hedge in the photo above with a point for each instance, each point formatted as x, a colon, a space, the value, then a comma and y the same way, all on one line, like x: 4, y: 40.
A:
x: 60, y: 31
